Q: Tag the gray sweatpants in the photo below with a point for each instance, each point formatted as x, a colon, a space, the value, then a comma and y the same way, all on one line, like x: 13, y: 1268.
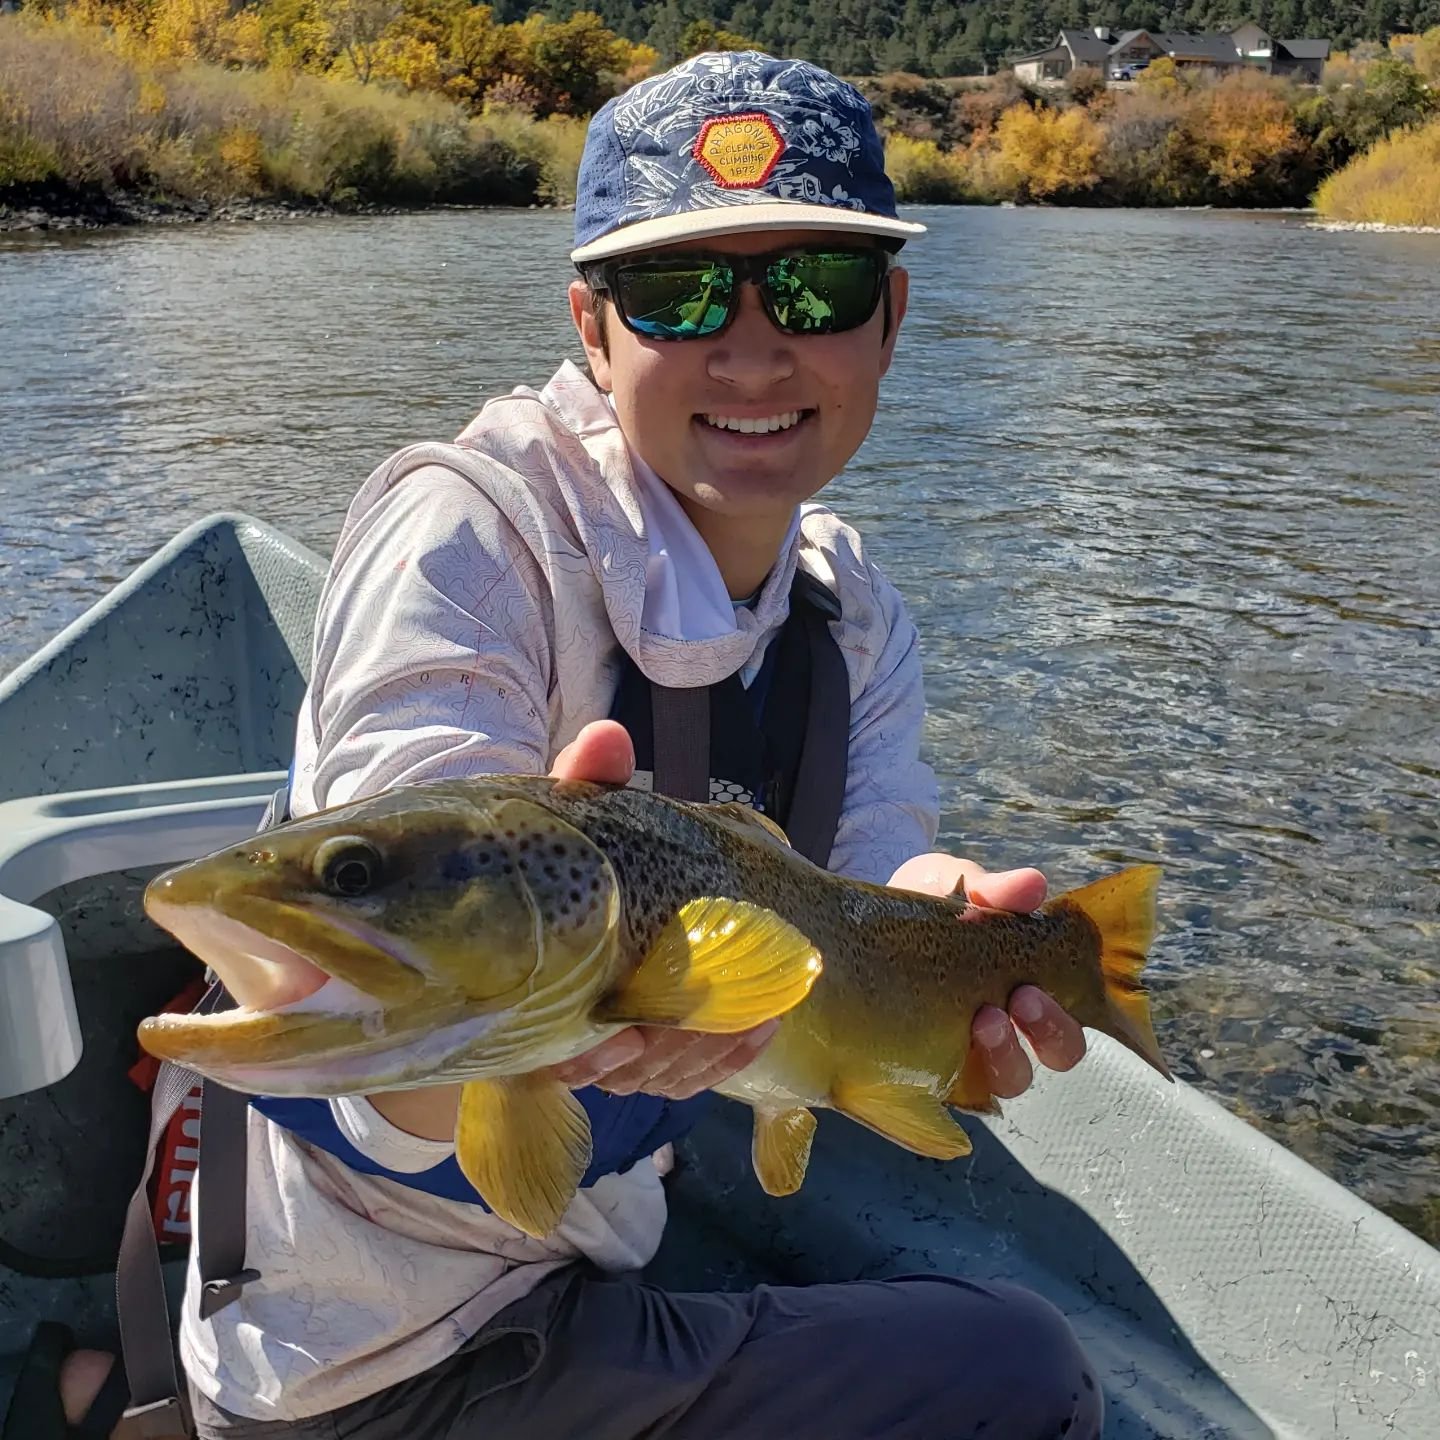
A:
x: 590, y: 1357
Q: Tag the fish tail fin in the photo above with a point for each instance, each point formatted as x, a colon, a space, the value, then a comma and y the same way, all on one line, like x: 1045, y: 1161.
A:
x: 1121, y: 907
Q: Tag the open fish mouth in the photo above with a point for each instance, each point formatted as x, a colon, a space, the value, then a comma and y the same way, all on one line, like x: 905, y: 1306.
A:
x: 297, y: 1002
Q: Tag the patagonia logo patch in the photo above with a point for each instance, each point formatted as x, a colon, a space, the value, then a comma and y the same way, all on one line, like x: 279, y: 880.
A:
x: 739, y: 151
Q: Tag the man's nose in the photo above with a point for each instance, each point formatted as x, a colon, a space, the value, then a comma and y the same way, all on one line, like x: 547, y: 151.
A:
x: 752, y: 352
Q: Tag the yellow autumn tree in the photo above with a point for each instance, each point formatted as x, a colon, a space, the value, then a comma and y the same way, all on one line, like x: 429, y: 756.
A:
x: 1161, y: 77
x: 202, y: 30
x: 1395, y: 182
x: 358, y: 30
x: 1044, y: 153
x: 1425, y: 55
x: 296, y: 35
x: 574, y: 64
x: 700, y: 36
x: 1241, y: 128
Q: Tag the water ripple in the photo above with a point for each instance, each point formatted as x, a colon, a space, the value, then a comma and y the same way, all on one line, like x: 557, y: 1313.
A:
x: 1161, y: 489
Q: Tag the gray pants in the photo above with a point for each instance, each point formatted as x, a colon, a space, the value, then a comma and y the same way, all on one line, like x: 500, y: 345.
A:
x: 602, y: 1358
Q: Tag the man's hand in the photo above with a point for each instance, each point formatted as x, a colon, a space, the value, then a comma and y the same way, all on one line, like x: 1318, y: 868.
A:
x: 1058, y: 1040
x: 675, y: 1063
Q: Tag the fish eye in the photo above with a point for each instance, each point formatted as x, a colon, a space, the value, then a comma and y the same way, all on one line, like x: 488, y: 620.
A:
x: 347, y: 867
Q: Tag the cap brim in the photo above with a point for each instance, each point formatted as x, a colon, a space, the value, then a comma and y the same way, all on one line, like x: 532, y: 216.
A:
x: 739, y: 219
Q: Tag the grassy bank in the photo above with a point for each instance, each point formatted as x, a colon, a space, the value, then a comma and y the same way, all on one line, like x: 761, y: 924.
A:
x: 79, y: 113
x: 1173, y: 138
x: 1395, y: 183
x: 193, y: 103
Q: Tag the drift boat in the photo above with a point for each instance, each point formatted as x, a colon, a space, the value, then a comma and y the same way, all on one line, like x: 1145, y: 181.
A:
x: 1221, y: 1285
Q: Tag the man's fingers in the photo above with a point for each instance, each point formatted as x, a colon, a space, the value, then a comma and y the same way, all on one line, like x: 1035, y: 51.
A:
x: 1007, y: 1067
x: 601, y: 752
x: 1020, y: 890
x: 707, y: 1064
x: 620, y: 1049
x: 1058, y: 1039
x: 940, y: 874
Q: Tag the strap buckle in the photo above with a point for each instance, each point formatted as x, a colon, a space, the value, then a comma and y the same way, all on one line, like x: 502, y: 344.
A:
x: 215, y: 1295
x: 160, y: 1420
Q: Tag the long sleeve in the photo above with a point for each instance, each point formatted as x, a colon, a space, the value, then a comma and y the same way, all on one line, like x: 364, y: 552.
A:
x: 432, y: 651
x: 891, y: 809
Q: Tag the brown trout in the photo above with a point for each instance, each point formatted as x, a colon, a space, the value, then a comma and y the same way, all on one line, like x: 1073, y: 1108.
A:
x: 481, y: 930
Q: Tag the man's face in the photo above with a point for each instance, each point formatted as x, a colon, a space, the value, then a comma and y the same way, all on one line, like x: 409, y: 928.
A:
x: 669, y: 394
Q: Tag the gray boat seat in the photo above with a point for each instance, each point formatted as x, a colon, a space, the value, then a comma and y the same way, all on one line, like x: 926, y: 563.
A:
x: 47, y: 841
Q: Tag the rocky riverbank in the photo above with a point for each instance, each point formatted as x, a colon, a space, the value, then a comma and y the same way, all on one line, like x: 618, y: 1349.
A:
x: 63, y: 207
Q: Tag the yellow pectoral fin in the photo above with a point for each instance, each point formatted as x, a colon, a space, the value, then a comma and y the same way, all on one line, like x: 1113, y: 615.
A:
x: 523, y: 1142
x: 910, y: 1117
x: 720, y: 966
x: 780, y: 1149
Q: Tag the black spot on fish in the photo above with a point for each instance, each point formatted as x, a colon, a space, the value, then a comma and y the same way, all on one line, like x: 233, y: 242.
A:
x: 459, y: 867
x: 1065, y: 1426
x: 1089, y: 1383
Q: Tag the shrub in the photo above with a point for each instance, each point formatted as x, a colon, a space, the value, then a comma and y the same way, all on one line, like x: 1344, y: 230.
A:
x: 1395, y: 183
x: 924, y: 174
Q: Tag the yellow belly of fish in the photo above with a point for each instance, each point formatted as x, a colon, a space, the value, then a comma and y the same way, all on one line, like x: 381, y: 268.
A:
x: 806, y: 1067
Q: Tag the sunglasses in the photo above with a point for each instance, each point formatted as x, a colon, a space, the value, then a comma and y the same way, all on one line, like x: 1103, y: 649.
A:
x: 693, y: 296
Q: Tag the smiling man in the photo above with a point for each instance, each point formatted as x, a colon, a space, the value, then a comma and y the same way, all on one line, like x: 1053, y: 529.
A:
x: 520, y: 601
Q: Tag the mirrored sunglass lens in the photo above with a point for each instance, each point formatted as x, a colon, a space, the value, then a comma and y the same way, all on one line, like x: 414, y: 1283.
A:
x: 819, y: 292
x: 676, y: 304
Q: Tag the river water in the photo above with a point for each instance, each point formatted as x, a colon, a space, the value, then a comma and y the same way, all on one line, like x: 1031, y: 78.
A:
x: 1163, y: 490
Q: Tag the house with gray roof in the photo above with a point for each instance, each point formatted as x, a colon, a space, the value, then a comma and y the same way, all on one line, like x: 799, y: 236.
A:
x: 1122, y: 55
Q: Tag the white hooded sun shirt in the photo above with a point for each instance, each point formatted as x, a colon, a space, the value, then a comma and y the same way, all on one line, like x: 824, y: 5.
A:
x: 477, y: 606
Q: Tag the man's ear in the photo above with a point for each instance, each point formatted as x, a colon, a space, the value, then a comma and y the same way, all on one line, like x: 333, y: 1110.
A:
x: 584, y: 311
x: 899, y: 282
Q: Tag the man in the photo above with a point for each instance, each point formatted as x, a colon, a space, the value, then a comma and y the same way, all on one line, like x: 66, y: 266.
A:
x: 498, y: 605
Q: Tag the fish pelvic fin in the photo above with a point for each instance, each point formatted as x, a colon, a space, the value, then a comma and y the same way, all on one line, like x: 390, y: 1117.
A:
x: 906, y: 1114
x: 523, y: 1142
x: 1121, y: 907
x: 971, y: 1092
x: 780, y: 1149
x: 720, y: 966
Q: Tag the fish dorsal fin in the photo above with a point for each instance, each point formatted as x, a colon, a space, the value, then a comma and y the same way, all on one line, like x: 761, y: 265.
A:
x: 780, y: 1149
x: 906, y: 1114
x: 749, y: 821
x: 719, y: 965
x: 523, y: 1142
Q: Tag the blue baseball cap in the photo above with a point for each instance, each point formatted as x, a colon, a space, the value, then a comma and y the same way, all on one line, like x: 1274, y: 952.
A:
x: 726, y: 142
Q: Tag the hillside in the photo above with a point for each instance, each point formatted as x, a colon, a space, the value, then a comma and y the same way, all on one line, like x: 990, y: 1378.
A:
x: 869, y: 37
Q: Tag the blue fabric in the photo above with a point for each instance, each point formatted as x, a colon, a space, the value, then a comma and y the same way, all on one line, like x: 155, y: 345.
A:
x: 811, y: 139
x: 625, y: 1130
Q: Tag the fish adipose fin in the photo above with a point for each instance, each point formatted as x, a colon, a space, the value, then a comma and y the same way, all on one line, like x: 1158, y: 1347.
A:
x: 905, y: 1114
x: 780, y: 1149
x: 720, y: 966
x: 1122, y: 909
x: 523, y: 1142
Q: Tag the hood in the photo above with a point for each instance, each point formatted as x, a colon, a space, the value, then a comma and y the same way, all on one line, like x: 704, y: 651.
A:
x: 636, y: 534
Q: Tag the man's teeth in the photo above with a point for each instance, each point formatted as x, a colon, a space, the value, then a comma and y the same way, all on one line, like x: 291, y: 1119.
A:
x: 755, y: 427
